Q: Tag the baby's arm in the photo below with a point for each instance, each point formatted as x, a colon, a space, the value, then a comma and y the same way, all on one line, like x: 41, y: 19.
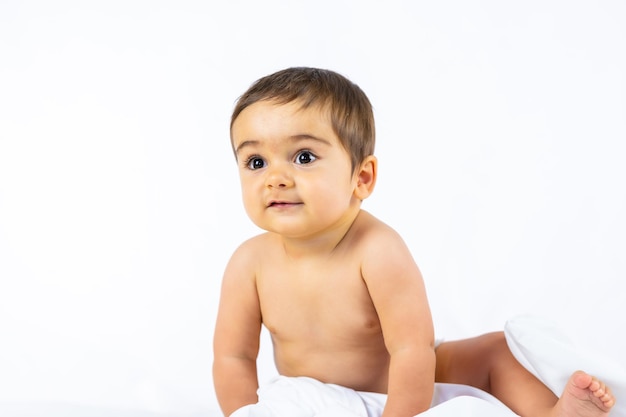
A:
x: 236, y: 339
x: 397, y: 290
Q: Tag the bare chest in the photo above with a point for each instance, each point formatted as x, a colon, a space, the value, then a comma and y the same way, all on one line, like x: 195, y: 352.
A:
x: 316, y: 301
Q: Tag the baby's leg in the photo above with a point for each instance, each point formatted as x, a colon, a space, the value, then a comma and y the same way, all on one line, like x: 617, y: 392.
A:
x: 486, y: 362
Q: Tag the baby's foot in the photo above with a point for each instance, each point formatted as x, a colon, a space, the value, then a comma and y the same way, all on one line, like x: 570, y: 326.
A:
x: 584, y: 396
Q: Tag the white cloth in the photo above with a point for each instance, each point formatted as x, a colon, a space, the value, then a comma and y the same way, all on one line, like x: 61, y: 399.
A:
x: 307, y: 397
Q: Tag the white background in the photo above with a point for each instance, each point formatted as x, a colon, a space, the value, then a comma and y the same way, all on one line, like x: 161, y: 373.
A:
x: 501, y: 132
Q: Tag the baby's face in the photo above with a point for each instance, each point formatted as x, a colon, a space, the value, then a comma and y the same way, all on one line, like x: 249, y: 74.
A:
x: 296, y: 177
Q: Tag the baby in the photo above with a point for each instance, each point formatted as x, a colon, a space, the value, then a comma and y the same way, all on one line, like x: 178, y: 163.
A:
x: 338, y: 290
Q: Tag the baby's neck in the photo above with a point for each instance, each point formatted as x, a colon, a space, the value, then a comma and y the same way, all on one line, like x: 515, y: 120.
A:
x: 322, y: 244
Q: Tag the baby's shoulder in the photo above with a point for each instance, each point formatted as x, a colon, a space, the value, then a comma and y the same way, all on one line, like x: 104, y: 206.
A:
x: 370, y: 228
x: 255, y: 247
x: 248, y: 256
x: 256, y: 242
x: 370, y: 234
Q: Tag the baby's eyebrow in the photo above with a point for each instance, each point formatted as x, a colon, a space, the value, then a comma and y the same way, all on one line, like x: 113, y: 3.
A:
x: 294, y: 138
x: 306, y: 136
x: 244, y: 144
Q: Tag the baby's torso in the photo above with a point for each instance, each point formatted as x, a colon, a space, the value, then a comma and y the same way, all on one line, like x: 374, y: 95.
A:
x: 322, y: 321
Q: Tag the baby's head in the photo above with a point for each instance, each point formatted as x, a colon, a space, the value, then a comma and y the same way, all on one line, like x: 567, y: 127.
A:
x: 349, y: 108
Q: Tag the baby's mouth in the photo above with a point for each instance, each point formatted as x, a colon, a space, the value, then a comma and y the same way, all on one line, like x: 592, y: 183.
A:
x: 282, y: 204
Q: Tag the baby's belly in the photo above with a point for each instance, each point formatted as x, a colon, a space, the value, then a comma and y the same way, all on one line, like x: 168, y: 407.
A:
x: 362, y: 368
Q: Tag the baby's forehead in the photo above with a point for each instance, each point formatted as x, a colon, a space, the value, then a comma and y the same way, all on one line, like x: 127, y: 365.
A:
x: 276, y: 119
x: 284, y: 113
x: 318, y: 108
x: 298, y: 105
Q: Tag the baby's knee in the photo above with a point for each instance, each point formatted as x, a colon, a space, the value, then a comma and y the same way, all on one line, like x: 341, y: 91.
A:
x: 498, y: 338
x: 492, y: 347
x: 498, y: 347
x: 497, y: 342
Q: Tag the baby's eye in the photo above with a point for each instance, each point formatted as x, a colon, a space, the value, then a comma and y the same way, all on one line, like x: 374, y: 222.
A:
x: 255, y: 163
x: 305, y: 157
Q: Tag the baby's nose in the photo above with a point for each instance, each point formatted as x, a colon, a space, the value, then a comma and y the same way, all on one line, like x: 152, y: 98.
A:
x: 278, y: 177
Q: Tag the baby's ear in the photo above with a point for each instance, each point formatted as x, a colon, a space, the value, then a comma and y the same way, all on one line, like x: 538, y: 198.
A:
x: 366, y: 177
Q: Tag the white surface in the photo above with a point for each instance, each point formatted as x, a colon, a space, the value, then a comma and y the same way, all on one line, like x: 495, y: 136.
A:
x: 501, y: 140
x: 51, y: 409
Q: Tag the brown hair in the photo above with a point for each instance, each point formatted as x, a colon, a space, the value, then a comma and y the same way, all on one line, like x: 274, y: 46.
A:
x: 350, y: 110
